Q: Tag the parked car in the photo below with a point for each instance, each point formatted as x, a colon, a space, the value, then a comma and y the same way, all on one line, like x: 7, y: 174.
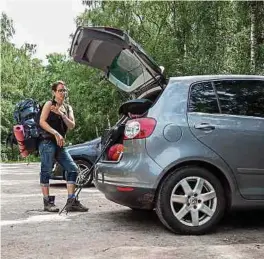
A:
x: 84, y: 155
x: 193, y: 154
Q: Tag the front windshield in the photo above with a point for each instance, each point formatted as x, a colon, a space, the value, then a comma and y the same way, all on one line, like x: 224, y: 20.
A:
x: 127, y: 72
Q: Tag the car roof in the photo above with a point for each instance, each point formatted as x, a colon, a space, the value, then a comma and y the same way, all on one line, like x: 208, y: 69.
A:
x: 195, y: 78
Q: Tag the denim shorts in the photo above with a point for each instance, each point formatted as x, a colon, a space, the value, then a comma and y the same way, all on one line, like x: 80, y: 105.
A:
x: 49, y: 153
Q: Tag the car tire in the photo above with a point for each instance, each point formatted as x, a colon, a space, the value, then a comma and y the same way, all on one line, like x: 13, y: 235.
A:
x: 190, y: 201
x: 83, y: 165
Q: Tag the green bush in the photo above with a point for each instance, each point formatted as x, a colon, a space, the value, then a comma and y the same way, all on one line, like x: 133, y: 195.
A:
x: 8, y: 155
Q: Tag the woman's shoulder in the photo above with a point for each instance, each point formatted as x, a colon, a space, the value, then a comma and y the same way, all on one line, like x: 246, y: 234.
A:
x: 47, y: 103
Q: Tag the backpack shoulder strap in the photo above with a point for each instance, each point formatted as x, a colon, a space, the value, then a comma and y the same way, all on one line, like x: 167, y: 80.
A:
x: 67, y: 108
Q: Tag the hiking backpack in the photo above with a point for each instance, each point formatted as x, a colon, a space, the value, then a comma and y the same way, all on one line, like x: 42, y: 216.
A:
x: 27, y: 114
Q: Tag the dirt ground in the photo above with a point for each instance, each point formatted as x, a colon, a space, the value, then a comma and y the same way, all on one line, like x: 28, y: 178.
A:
x: 108, y: 230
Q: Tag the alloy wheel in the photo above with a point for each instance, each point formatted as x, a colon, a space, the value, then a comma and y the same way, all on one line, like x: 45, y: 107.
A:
x: 82, y: 178
x: 193, y: 201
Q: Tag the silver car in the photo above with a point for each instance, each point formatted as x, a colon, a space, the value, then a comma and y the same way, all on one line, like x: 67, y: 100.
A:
x: 196, y: 152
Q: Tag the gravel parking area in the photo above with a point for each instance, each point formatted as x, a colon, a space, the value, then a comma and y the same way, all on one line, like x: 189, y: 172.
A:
x: 108, y: 230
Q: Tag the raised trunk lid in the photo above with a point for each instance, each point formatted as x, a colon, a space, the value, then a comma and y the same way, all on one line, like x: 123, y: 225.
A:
x: 111, y: 50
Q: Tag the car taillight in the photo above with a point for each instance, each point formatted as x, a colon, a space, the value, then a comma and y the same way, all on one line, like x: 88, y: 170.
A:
x: 139, y: 128
x: 115, y: 151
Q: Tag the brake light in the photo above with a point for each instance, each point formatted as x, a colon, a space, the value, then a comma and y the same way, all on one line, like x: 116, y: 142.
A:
x: 115, y: 152
x: 139, y: 128
x: 125, y: 189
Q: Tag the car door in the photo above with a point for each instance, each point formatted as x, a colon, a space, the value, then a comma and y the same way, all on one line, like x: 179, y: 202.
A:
x: 233, y: 127
x: 124, y: 62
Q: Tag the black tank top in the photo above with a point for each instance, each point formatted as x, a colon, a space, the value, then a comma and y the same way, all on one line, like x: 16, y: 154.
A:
x: 57, y: 123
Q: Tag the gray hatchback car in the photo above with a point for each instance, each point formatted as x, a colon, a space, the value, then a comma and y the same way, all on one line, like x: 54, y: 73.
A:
x: 196, y: 152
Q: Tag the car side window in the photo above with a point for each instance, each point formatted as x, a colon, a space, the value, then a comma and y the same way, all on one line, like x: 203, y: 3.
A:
x: 203, y: 98
x: 241, y: 97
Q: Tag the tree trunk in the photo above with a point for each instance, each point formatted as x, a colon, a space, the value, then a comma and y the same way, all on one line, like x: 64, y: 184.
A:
x: 253, y: 41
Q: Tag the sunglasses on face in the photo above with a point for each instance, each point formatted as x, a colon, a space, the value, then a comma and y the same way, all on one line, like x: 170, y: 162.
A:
x: 62, y: 90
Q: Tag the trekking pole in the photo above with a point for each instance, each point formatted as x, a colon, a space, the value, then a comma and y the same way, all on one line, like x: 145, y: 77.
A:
x: 77, y: 191
x: 109, y: 140
x: 79, y: 188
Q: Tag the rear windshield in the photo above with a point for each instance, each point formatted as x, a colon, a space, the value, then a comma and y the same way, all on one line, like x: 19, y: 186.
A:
x: 127, y: 72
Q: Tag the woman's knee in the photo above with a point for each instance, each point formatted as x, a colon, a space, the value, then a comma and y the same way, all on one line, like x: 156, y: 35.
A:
x: 71, y: 176
x: 44, y: 178
x: 45, y: 173
x: 70, y: 166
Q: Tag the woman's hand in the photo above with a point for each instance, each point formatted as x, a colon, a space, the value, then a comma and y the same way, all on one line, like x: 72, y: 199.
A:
x: 56, y: 109
x: 59, y: 139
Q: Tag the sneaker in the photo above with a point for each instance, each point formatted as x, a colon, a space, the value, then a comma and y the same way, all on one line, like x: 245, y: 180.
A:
x: 49, y: 205
x: 74, y: 205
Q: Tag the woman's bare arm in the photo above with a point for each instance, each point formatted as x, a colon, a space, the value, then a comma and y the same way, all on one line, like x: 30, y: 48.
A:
x: 69, y: 120
x: 44, y: 116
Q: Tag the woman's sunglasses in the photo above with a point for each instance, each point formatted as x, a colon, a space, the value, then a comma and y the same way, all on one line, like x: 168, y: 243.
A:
x: 62, y: 90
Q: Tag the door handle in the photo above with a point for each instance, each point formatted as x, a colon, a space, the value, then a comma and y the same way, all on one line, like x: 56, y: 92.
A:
x: 204, y: 126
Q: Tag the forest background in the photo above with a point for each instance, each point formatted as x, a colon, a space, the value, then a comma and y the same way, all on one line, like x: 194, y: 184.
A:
x: 186, y: 37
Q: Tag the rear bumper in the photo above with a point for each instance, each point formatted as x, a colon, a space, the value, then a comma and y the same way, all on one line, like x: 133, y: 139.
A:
x: 135, y: 170
x: 142, y: 198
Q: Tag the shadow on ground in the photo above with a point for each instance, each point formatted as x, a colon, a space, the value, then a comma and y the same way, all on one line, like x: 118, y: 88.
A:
x: 64, y: 186
x: 234, y: 222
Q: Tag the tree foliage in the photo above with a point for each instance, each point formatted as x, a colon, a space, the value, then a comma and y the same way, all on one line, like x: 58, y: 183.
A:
x: 186, y: 38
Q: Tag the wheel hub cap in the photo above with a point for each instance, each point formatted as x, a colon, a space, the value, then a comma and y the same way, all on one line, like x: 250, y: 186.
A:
x: 193, y: 200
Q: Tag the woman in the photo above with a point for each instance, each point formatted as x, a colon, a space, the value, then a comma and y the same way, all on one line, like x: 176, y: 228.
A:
x: 56, y: 118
